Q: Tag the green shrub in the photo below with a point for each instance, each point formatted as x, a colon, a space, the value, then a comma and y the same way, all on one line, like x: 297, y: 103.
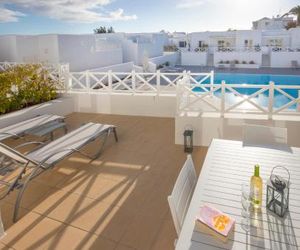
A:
x: 25, y: 85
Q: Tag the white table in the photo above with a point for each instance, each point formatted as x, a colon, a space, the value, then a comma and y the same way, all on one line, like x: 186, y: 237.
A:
x: 227, y: 165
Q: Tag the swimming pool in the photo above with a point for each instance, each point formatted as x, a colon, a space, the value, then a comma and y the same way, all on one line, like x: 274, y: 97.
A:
x: 257, y: 79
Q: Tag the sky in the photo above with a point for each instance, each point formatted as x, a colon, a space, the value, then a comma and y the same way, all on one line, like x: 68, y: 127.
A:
x: 82, y: 16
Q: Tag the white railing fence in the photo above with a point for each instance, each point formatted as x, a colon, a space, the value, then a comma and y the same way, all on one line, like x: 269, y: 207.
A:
x: 225, y: 99
x: 195, y: 92
x: 157, y: 83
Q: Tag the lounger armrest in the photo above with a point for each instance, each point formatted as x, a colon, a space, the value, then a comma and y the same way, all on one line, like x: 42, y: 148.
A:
x: 28, y: 143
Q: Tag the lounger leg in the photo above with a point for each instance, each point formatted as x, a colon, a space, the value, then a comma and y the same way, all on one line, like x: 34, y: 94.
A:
x: 20, y: 194
x: 102, y: 146
x: 115, y: 134
x: 65, y: 129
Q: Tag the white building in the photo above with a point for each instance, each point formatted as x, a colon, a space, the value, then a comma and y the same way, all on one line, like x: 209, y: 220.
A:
x: 83, y: 52
x: 80, y: 51
x: 255, y: 47
x: 266, y: 23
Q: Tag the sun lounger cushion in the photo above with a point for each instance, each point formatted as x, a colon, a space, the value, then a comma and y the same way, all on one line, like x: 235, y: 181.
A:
x: 73, y: 140
x: 22, y: 127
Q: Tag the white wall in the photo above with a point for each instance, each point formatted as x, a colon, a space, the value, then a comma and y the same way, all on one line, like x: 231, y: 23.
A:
x: 295, y: 38
x: 205, y: 129
x: 240, y: 56
x: 283, y: 35
x: 125, y: 104
x: 8, y: 49
x: 194, y: 58
x: 171, y: 57
x: 283, y: 59
x: 129, y: 51
x: 196, y: 37
x: 242, y: 35
x: 123, y: 67
x: 81, y: 53
x: 27, y: 49
x: 48, y: 49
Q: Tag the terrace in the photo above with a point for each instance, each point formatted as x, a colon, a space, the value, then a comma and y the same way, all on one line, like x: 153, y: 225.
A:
x: 118, y: 201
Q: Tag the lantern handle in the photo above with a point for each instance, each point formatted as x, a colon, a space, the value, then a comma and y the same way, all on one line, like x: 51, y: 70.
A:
x: 278, y: 166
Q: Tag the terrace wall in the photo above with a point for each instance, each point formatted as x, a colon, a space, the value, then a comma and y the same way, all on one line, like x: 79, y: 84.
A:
x: 194, y: 58
x: 123, y: 67
x: 171, y: 57
x: 125, y: 104
x: 284, y: 59
x: 207, y: 128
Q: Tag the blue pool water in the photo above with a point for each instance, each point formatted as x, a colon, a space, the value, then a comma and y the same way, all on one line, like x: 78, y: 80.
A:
x: 258, y: 79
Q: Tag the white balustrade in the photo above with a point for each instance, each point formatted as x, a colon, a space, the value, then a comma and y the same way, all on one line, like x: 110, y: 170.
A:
x: 194, y: 91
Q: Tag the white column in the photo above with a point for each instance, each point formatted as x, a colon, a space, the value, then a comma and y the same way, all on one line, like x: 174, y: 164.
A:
x: 223, y: 92
x: 271, y: 100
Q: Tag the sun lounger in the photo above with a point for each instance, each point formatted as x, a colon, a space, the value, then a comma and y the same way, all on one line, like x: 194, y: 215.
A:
x: 19, y: 129
x: 46, y: 157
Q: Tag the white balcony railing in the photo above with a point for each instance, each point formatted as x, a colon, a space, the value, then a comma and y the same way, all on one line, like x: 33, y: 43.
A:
x: 195, y: 92
x: 225, y: 99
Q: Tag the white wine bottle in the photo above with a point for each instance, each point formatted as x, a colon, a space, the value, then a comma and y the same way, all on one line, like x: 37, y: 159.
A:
x: 256, y: 188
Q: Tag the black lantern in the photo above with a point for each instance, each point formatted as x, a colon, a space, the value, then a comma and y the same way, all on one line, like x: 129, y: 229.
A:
x: 188, y: 140
x: 278, y: 190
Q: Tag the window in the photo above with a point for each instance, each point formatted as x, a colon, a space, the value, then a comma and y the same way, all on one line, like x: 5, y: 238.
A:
x: 182, y: 44
x: 221, y: 43
x: 201, y: 44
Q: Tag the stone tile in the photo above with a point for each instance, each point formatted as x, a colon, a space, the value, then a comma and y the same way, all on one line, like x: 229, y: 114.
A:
x: 31, y: 231
x: 123, y: 247
x: 166, y: 236
x: 73, y: 238
x: 142, y: 231
x: 63, y: 206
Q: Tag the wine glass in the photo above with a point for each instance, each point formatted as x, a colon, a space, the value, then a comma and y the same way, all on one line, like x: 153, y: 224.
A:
x: 246, y: 200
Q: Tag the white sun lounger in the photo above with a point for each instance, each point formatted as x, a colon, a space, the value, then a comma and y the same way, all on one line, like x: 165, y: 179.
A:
x: 19, y: 129
x: 45, y: 157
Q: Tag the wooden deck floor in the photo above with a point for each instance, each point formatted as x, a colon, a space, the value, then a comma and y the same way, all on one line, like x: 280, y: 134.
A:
x: 118, y: 201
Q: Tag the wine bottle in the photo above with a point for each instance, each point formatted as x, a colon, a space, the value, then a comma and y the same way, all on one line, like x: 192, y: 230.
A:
x: 256, y: 188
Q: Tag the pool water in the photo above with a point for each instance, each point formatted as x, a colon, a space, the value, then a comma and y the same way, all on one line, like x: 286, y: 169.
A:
x: 257, y: 79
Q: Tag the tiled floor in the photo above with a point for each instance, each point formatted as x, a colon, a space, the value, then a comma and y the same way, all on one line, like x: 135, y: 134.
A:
x: 118, y: 201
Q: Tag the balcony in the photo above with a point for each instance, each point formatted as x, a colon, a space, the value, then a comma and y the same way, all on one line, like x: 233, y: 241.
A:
x: 118, y: 201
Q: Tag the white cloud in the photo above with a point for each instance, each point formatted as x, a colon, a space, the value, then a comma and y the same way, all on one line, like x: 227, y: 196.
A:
x: 187, y: 4
x: 7, y: 15
x: 81, y: 11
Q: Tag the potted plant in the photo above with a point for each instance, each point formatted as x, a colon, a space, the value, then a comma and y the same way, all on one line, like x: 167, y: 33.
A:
x: 251, y: 62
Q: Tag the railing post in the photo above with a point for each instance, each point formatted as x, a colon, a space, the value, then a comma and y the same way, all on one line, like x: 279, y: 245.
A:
x: 212, y: 82
x: 133, y: 82
x: 67, y: 77
x: 87, y: 80
x: 158, y: 82
x: 271, y: 100
x: 298, y: 104
x: 223, y: 92
x: 109, y: 76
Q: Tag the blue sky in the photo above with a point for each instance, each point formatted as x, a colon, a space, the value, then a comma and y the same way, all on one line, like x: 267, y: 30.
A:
x: 82, y: 16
